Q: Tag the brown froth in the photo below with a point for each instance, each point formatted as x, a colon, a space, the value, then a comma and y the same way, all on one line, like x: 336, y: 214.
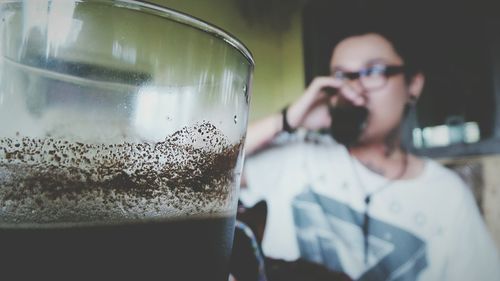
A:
x: 52, y: 180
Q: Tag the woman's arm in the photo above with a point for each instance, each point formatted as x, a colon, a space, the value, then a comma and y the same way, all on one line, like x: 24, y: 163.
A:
x: 310, y: 111
x: 262, y: 132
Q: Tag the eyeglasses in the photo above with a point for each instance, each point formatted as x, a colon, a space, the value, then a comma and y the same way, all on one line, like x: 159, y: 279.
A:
x: 371, y: 78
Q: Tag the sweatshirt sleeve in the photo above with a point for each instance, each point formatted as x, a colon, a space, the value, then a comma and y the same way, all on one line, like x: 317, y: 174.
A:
x: 473, y: 254
x: 265, y: 171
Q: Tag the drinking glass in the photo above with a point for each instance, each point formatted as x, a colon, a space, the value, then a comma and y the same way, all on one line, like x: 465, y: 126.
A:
x: 121, y: 136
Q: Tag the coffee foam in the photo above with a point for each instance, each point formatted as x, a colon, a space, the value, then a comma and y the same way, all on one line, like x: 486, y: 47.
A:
x: 45, y: 180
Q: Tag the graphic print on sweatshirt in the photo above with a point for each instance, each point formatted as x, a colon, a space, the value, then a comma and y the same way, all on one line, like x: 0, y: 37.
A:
x: 329, y: 232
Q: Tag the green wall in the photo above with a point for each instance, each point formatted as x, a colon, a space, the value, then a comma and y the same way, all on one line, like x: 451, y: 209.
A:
x: 279, y: 70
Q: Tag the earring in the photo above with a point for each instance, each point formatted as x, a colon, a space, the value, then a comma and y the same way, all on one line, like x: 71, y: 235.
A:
x: 412, y: 100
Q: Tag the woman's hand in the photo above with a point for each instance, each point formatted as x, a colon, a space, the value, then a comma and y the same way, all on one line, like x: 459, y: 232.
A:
x: 310, y: 111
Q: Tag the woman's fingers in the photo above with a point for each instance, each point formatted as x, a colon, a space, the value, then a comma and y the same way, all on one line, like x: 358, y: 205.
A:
x: 309, y: 110
x: 353, y: 95
x: 323, y: 85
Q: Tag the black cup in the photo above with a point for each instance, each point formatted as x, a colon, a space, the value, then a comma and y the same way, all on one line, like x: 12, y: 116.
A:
x: 348, y: 122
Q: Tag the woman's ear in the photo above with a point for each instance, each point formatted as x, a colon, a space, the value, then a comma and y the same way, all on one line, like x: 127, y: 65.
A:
x: 415, y: 87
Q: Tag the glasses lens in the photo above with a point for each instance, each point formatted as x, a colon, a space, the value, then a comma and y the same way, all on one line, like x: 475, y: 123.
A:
x: 373, y: 78
x: 339, y: 75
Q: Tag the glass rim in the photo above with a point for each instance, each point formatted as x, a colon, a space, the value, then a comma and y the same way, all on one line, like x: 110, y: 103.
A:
x: 177, y: 16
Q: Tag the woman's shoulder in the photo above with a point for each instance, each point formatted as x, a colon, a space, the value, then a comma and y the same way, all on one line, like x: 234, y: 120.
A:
x: 437, y: 171
x: 301, y: 141
x: 442, y: 179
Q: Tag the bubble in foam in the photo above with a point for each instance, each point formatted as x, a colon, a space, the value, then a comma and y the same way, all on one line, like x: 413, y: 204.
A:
x: 55, y: 180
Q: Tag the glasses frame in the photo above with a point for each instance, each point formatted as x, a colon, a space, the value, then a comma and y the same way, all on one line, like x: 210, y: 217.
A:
x: 386, y: 71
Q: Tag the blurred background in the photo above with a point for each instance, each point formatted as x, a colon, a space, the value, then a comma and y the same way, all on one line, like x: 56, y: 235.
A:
x: 457, y: 121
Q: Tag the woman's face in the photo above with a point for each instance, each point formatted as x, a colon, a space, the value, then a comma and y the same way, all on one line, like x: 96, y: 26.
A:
x: 385, y: 104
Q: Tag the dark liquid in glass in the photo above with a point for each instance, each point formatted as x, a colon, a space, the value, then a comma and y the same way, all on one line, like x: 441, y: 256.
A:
x: 192, y: 249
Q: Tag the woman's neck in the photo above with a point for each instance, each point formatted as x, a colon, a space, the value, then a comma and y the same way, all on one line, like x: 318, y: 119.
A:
x: 388, y: 162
